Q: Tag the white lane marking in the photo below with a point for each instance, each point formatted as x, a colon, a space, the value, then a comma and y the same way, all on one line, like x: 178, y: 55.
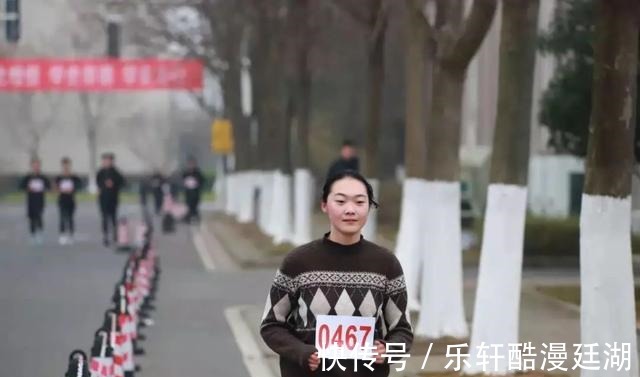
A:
x: 201, y: 248
x: 251, y: 354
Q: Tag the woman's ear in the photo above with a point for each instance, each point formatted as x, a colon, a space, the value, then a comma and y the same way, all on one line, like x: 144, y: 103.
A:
x: 323, y: 207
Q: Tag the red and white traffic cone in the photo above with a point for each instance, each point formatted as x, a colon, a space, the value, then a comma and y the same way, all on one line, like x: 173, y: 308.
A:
x: 141, y: 234
x: 101, y: 364
x: 116, y: 340
x: 123, y: 239
x: 168, y: 221
x: 126, y: 331
x: 78, y: 365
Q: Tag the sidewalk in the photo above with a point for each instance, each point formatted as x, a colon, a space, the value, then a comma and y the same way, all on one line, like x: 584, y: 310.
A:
x: 248, y: 247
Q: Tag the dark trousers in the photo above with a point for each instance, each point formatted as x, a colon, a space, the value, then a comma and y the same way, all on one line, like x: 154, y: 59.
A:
x: 34, y: 213
x: 193, y: 201
x: 157, y: 200
x: 109, y: 212
x: 67, y: 211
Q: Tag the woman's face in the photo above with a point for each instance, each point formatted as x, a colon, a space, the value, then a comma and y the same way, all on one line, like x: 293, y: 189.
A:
x: 347, y: 206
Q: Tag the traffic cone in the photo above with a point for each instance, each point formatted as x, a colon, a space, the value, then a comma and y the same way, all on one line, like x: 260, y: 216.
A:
x: 140, y: 234
x: 77, y: 365
x: 123, y: 240
x: 122, y: 348
x: 168, y: 221
x: 101, y: 364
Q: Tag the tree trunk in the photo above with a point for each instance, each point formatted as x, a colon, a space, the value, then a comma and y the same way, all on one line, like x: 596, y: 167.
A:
x: 271, y: 102
x: 607, y: 293
x: 443, y: 128
x: 302, y: 86
x: 415, y: 140
x: 442, y: 310
x: 91, y: 124
x: 409, y: 234
x: 496, y: 313
x: 304, y: 116
x: 92, y: 145
x: 376, y: 83
x: 233, y: 110
x: 610, y: 150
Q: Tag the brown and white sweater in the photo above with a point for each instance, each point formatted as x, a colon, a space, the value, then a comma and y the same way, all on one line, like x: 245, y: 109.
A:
x: 324, y: 277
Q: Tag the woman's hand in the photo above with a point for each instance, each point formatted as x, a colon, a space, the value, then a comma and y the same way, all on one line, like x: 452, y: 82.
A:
x: 380, y: 350
x: 314, y: 361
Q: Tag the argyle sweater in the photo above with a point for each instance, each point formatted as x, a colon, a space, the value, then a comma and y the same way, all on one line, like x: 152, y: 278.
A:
x: 324, y: 277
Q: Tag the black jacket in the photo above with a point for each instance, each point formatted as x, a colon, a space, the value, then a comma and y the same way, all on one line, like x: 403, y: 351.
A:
x: 110, y: 182
x: 36, y: 185
x: 192, y: 181
x: 67, y: 185
x: 341, y: 164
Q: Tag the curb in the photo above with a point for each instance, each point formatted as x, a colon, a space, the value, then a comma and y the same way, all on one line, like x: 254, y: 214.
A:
x: 210, y: 249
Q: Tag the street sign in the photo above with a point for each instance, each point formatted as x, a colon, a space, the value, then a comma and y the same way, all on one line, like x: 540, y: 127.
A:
x: 221, y: 136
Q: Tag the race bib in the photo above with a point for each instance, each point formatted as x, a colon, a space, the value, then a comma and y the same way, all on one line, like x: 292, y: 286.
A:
x: 36, y: 185
x: 190, y: 183
x: 66, y: 186
x: 344, y: 337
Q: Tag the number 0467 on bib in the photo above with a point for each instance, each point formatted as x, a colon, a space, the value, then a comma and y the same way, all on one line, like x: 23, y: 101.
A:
x: 344, y: 337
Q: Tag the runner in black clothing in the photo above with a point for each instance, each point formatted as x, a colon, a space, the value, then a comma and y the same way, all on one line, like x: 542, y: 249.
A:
x: 348, y: 160
x: 35, y: 185
x: 156, y: 182
x: 110, y: 182
x: 192, y: 181
x: 67, y: 185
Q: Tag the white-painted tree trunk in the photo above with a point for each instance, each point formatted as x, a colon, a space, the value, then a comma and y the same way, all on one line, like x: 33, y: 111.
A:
x: 281, y: 208
x: 266, y: 192
x: 237, y: 197
x: 370, y: 229
x: 442, y: 309
x: 219, y: 185
x: 497, y: 305
x: 409, y: 241
x: 606, y: 280
x: 231, y: 194
x: 245, y: 191
x: 303, y: 206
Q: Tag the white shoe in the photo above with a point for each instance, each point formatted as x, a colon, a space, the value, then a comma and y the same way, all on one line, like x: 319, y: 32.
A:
x: 62, y: 240
x: 39, y: 239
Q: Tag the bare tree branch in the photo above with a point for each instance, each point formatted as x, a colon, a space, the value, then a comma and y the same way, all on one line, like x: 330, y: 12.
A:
x: 352, y: 10
x: 381, y: 22
x: 199, y: 99
x: 466, y: 43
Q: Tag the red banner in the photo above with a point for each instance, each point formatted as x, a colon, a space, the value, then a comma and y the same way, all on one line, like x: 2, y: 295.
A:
x: 96, y: 75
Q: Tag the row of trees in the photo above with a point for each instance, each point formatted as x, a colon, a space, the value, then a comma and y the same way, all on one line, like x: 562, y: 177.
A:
x: 441, y: 39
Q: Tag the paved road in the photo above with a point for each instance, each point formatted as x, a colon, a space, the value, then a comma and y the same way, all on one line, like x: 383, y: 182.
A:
x: 52, y: 298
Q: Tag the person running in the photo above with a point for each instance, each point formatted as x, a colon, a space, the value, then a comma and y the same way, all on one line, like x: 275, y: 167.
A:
x: 340, y: 274
x: 348, y: 159
x: 155, y: 182
x: 110, y: 182
x: 192, y: 181
x: 67, y: 185
x: 35, y: 184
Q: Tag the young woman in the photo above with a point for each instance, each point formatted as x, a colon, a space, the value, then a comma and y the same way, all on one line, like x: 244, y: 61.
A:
x: 340, y: 274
